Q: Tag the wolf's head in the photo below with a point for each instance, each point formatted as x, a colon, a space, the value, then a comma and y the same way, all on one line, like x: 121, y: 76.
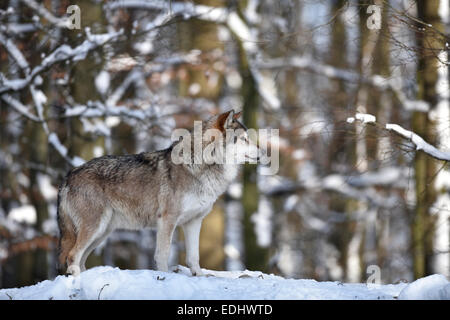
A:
x: 227, y: 137
x: 222, y: 139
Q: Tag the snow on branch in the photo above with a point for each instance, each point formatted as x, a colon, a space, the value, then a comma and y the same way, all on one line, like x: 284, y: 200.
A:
x: 16, y: 29
x: 92, y: 109
x: 363, y: 117
x: 62, y: 53
x: 43, y: 12
x: 185, y: 9
x: 39, y: 98
x: 417, y: 140
x: 15, y: 53
x: 212, y: 14
x: 62, y: 150
x: 19, y: 107
x: 96, y: 109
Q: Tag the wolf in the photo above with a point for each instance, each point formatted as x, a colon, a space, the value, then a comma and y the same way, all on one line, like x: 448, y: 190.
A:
x: 148, y: 190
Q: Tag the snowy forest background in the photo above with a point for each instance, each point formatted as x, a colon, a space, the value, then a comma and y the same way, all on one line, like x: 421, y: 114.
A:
x: 348, y: 194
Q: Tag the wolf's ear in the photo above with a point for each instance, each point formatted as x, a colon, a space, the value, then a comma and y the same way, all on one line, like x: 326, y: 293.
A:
x: 237, y: 115
x: 225, y: 119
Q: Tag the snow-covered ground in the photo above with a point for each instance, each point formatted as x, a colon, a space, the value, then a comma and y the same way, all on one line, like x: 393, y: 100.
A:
x: 113, y: 283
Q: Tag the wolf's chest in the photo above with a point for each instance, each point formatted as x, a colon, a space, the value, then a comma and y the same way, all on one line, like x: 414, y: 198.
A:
x: 194, y: 204
x: 202, y: 195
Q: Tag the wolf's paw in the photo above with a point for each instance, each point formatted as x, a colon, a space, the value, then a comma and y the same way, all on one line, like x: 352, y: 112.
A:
x: 197, y: 272
x: 73, y: 270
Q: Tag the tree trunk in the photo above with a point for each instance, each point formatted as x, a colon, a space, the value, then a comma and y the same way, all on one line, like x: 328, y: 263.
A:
x: 205, y: 82
x: 441, y: 262
x: 342, y: 147
x: 256, y: 256
x: 425, y: 167
x: 82, y: 143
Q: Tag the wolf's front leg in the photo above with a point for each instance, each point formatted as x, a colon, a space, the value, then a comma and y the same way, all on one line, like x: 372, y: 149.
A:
x: 163, y: 241
x: 191, y: 231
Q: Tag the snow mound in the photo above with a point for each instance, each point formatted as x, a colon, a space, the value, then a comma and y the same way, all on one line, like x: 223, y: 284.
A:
x: 112, y: 283
x: 434, y: 287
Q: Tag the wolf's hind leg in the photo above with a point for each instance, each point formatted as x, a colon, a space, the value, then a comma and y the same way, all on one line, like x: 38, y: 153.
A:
x: 191, y: 232
x: 85, y: 237
x: 67, y: 239
x: 92, y: 247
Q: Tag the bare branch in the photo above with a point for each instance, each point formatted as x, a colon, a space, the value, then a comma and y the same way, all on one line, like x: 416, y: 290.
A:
x: 62, y: 53
x: 15, y: 53
x: 43, y: 12
x: 19, y: 107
